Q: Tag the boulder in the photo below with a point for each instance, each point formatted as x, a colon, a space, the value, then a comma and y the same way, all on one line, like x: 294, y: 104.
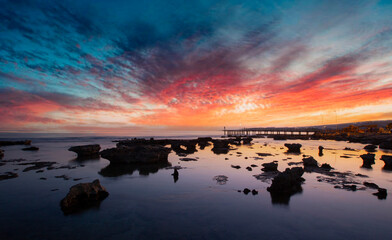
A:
x: 30, y: 149
x: 326, y: 166
x: 287, y: 182
x: 293, y: 147
x: 310, y: 162
x: 136, y: 154
x: 370, y: 148
x: 83, y: 195
x: 270, y: 167
x: 368, y: 160
x: 386, y: 145
x: 86, y: 151
x: 388, y: 161
x: 221, y: 146
x: 381, y: 194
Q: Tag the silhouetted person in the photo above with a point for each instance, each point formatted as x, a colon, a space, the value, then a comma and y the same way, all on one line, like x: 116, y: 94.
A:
x: 175, y: 175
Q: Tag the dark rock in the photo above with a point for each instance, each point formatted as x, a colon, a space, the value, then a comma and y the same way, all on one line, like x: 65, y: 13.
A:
x: 1, y: 154
x: 293, y: 147
x: 368, y: 160
x: 310, y: 162
x: 349, y: 149
x: 42, y: 178
x: 10, y: 143
x: 145, y: 169
x: 226, y: 159
x: 8, y: 175
x: 246, y: 191
x: 264, y: 154
x: 350, y: 187
x: 345, y: 156
x: 326, y: 166
x: 83, y: 195
x: 30, y: 149
x: 86, y: 151
x: 188, y: 159
x: 236, y: 166
x: 381, y: 194
x: 136, y: 154
x: 287, y: 182
x: 247, y: 140
x: 175, y: 175
x: 249, y: 168
x: 371, y: 185
x: 388, y: 162
x: 65, y: 177
x: 270, y: 167
x: 255, y: 192
x: 37, y: 165
x: 294, y: 163
x: 253, y: 165
x: 221, y: 146
x: 203, y: 142
x: 184, y: 146
x: 221, y: 179
x: 386, y: 145
x: 321, y: 148
x: 370, y: 148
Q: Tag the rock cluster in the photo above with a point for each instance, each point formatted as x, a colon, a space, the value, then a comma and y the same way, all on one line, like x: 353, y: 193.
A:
x: 136, y: 154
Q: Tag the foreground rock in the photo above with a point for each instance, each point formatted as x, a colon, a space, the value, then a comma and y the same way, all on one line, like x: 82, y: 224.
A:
x: 221, y: 146
x: 381, y: 194
x: 136, y: 154
x: 83, y: 195
x: 388, y: 162
x: 293, y: 147
x: 30, y: 149
x: 310, y: 162
x: 86, y: 151
x: 270, y: 167
x: 368, y: 160
x: 286, y: 184
x: 10, y: 143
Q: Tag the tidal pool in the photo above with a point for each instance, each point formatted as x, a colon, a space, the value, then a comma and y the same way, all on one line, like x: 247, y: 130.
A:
x: 146, y: 202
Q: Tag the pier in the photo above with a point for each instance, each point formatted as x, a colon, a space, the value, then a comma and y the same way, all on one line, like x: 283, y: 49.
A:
x: 270, y: 131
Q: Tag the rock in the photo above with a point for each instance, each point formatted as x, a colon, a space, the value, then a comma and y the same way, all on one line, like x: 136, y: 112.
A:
x: 184, y: 146
x: 236, y: 166
x: 368, y: 160
x: 249, y: 168
x: 293, y: 147
x: 8, y: 175
x: 253, y: 165
x: 175, y: 175
x: 10, y: 143
x: 349, y: 149
x: 371, y: 185
x: 136, y: 154
x: 221, y: 179
x: 270, y: 167
x: 370, y: 148
x: 65, y: 177
x: 204, y: 142
x: 381, y: 194
x: 144, y: 169
x: 321, y: 148
x: 30, y: 149
x: 83, y: 195
x: 264, y: 154
x: 294, y: 163
x: 37, y: 165
x: 188, y: 159
x: 310, y: 162
x: 326, y: 166
x: 247, y: 140
x: 246, y: 191
x: 221, y: 146
x: 386, y: 145
x: 388, y: 162
x: 255, y: 192
x: 350, y: 187
x: 86, y: 151
x: 287, y: 182
x: 1, y: 154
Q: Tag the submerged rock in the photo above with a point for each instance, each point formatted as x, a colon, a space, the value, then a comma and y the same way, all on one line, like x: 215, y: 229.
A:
x: 270, y: 167
x: 37, y: 165
x: 293, y: 147
x: 368, y: 160
x: 83, y: 195
x: 188, y: 159
x: 30, y: 149
x: 221, y: 179
x: 249, y: 168
x: 136, y: 154
x: 144, y: 169
x: 371, y: 185
x: 388, y: 162
x: 10, y: 143
x: 326, y: 166
x: 86, y: 151
x: 246, y: 191
x: 8, y: 175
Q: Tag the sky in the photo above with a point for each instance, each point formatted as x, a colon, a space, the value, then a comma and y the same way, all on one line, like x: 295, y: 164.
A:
x: 131, y: 66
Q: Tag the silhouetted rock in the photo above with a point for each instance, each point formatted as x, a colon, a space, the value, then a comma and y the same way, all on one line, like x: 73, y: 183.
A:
x: 236, y: 166
x: 370, y: 148
x: 293, y: 147
x: 8, y: 175
x: 349, y: 149
x: 203, y: 142
x: 249, y: 168
x: 386, y: 145
x: 184, y: 146
x: 86, y: 151
x: 10, y: 143
x: 145, y: 169
x: 246, y: 191
x: 368, y: 160
x: 287, y: 182
x: 326, y: 166
x: 310, y: 162
x: 37, y: 165
x: 371, y: 185
x: 387, y: 162
x: 247, y: 140
x: 321, y: 148
x: 136, y: 154
x: 270, y: 167
x: 264, y: 154
x: 1, y: 154
x: 255, y: 192
x: 351, y: 187
x: 221, y: 146
x: 188, y: 159
x: 175, y: 175
x: 83, y: 195
x: 381, y: 194
x: 30, y: 149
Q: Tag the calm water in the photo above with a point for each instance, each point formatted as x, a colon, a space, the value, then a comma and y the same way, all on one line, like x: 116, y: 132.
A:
x: 150, y: 205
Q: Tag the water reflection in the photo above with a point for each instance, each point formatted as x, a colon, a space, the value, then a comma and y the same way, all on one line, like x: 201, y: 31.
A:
x: 116, y: 170
x: 282, y: 199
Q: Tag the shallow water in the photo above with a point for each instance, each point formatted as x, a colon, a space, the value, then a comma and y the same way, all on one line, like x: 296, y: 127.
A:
x: 150, y: 205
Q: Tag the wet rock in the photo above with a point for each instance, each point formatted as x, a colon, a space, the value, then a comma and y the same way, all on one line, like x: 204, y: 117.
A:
x: 1, y: 154
x: 246, y: 191
x: 381, y: 194
x: 42, y: 178
x: 8, y: 175
x: 10, y: 143
x: 310, y: 162
x: 65, y: 177
x: 371, y: 185
x: 270, y: 167
x: 388, y: 162
x: 253, y: 165
x: 255, y: 192
x: 144, y: 169
x: 293, y: 147
x: 204, y: 142
x: 326, y: 166
x: 370, y: 148
x: 221, y: 179
x: 83, y: 195
x: 321, y: 148
x: 221, y: 146
x: 136, y: 154
x: 37, y: 165
x: 226, y: 158
x: 368, y: 160
x: 386, y: 145
x: 249, y: 168
x: 86, y: 151
x: 287, y: 182
x: 350, y: 187
x: 236, y: 166
x: 30, y: 149
x: 184, y: 146
x: 361, y: 175
x: 188, y: 159
x: 247, y: 140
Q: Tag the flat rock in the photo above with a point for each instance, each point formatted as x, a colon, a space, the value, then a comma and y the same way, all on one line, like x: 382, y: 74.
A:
x: 30, y: 149
x: 86, y: 151
x: 137, y: 154
x: 8, y: 175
